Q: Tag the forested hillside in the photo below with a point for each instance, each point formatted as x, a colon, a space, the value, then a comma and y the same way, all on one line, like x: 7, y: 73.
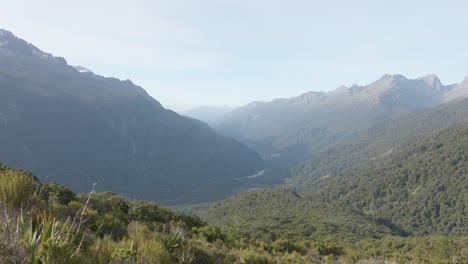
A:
x: 420, y: 190
x: 281, y: 213
x: 378, y: 141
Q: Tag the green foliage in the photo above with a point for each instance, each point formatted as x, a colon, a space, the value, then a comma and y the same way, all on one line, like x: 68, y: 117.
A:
x: 211, y: 234
x: 64, y: 227
x: 198, y: 255
x: 124, y: 255
x: 172, y: 241
x: 327, y: 247
x: 187, y: 257
x: 106, y: 202
x: 252, y: 257
x: 18, y: 188
x: 109, y: 224
x: 284, y: 246
x: 58, y: 194
x: 280, y: 213
x: 11, y: 250
x: 53, y: 251
x: 146, y: 211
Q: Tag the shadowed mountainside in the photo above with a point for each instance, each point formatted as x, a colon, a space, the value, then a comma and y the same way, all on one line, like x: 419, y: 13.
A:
x: 79, y: 128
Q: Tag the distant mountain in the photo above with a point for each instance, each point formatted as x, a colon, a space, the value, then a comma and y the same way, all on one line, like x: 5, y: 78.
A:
x: 78, y: 128
x: 207, y: 114
x: 292, y: 130
x: 419, y: 190
x: 460, y: 91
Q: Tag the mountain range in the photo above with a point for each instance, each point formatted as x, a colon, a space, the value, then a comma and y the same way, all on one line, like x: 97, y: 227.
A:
x: 69, y: 125
x: 292, y: 130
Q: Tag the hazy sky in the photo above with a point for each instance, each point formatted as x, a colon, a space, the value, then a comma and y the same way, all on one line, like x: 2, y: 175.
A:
x: 231, y: 52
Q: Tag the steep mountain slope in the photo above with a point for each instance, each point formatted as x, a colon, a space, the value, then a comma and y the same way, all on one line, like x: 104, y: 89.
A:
x: 421, y: 190
x: 79, y: 128
x: 460, y: 91
x: 292, y: 130
x: 380, y: 140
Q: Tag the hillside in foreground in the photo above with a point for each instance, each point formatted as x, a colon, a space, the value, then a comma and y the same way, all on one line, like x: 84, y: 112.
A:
x: 48, y: 223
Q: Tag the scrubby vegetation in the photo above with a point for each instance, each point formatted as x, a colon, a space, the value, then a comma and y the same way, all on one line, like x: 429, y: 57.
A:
x: 48, y: 223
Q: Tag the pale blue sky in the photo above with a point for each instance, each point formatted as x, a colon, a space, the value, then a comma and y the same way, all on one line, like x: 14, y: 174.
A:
x: 231, y: 52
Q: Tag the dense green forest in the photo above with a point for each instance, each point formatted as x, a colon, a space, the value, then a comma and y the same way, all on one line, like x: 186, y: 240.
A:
x: 423, y: 189
x: 276, y: 213
x: 413, y: 194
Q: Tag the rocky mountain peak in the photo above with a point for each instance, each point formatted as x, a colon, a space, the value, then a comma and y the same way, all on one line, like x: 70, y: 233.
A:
x: 386, y: 83
x: 392, y: 78
x: 463, y: 86
x: 356, y: 88
x: 432, y: 80
x: 383, y: 85
x: 82, y: 69
x: 465, y: 81
x: 5, y: 36
x: 459, y: 91
x: 12, y: 44
x: 341, y: 88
